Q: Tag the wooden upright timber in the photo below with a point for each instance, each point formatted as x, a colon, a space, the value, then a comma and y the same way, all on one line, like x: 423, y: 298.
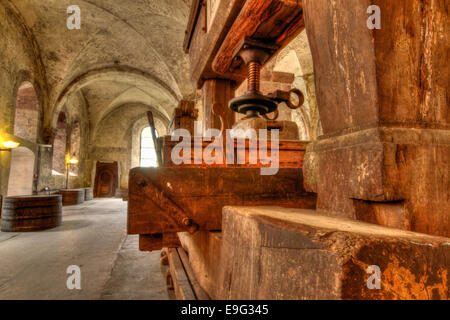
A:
x: 384, y: 108
x: 216, y: 95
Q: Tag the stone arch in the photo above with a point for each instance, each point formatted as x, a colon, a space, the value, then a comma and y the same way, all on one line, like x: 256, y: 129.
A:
x: 304, y: 127
x: 160, y: 116
x: 21, y: 173
x: 26, y: 118
x: 297, y: 58
x: 123, y: 73
x: 36, y: 73
x: 113, y: 139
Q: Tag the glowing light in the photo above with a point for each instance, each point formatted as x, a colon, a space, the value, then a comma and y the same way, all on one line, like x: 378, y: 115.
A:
x: 10, y: 144
x: 73, y: 161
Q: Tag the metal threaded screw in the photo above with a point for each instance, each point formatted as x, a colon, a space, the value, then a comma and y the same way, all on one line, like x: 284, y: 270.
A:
x: 254, y: 74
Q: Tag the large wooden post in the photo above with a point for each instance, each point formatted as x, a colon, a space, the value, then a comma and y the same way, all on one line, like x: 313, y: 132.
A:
x: 221, y: 92
x: 384, y: 106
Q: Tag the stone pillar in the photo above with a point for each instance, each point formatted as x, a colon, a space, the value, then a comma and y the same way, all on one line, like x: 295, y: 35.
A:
x: 383, y: 102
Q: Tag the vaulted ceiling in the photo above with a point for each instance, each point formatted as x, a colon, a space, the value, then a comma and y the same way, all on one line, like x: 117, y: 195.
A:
x: 127, y: 51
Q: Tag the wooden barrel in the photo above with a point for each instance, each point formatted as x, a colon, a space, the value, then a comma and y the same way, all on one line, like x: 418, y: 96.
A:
x: 31, y: 213
x: 71, y: 197
x: 88, y: 194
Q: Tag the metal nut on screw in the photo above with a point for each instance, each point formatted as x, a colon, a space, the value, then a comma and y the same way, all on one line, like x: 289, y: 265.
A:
x: 253, y: 103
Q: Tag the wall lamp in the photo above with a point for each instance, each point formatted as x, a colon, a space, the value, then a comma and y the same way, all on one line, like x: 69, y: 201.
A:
x: 73, y: 161
x: 8, y: 145
x: 70, y: 162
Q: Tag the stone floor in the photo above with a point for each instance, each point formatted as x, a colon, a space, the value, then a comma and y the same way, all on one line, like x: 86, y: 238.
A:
x: 92, y: 236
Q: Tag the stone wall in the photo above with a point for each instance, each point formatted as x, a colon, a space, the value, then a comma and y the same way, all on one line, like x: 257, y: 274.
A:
x: 18, y: 64
x: 118, y: 138
x: 26, y: 117
x: 71, y: 141
x: 59, y: 147
x: 21, y: 172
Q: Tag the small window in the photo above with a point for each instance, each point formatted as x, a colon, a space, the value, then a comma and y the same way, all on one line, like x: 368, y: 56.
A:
x: 148, y: 152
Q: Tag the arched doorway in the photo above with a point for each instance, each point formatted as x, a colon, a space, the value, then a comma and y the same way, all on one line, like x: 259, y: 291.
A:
x: 106, y: 179
x: 21, y: 172
x: 105, y: 184
x: 26, y: 118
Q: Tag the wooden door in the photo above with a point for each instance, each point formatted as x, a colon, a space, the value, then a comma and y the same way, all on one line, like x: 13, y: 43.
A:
x: 105, y: 184
x: 106, y: 179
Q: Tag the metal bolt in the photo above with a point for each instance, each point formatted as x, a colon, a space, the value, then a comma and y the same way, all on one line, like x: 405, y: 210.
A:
x: 187, y: 222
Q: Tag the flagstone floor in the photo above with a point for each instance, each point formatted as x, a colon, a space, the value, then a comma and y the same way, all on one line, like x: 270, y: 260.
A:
x: 93, y: 237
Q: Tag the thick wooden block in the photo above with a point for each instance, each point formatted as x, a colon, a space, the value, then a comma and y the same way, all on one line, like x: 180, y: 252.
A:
x: 71, y: 197
x: 31, y: 213
x: 277, y: 253
x: 165, y: 200
x: 408, y: 170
